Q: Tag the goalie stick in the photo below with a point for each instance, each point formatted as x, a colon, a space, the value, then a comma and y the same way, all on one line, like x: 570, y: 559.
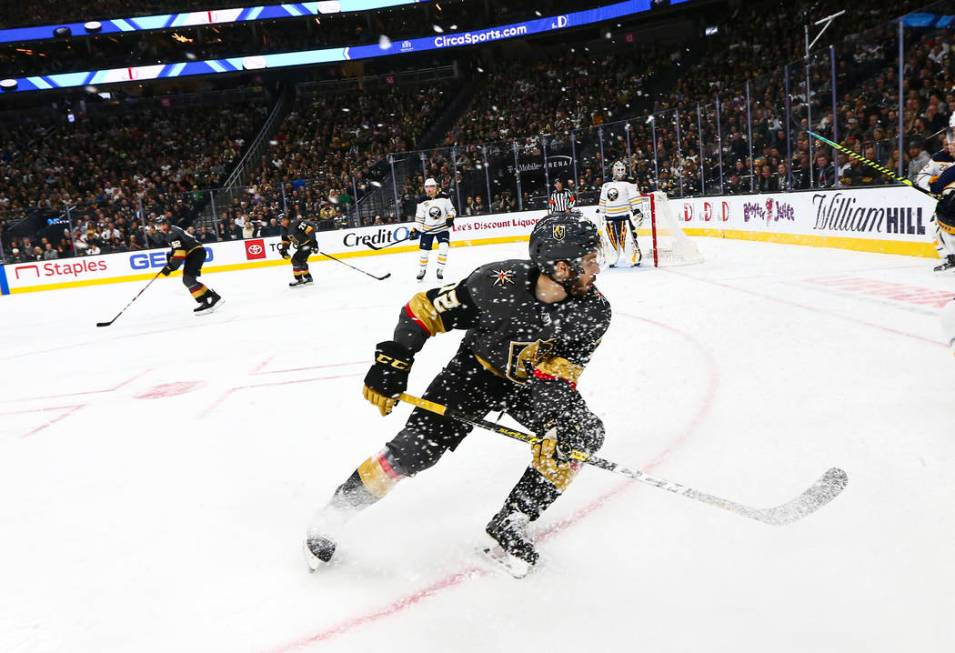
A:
x: 824, y: 490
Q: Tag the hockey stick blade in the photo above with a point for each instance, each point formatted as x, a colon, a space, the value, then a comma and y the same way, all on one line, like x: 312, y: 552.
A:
x: 827, y: 488
x: 379, y: 248
x: 105, y: 324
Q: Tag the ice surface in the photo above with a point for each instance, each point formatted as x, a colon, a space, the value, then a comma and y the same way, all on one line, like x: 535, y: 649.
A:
x: 156, y: 476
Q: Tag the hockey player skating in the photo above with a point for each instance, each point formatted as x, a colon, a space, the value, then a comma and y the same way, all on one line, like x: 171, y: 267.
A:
x: 532, y: 326
x: 433, y: 220
x: 301, y: 234
x: 189, y: 253
x: 619, y: 204
x: 929, y: 178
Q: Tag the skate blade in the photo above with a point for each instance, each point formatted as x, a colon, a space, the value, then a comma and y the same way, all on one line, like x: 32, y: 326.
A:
x: 211, y: 310
x: 312, y: 561
x: 501, y: 560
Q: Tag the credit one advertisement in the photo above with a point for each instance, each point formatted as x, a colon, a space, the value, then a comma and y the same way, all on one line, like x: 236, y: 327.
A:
x: 329, y: 55
x: 251, y: 253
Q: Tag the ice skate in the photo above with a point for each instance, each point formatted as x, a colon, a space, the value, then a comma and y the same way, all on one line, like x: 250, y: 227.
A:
x: 421, y: 273
x: 510, y: 547
x: 209, y: 303
x: 318, y: 552
x: 298, y: 283
x: 947, y: 264
x: 440, y: 274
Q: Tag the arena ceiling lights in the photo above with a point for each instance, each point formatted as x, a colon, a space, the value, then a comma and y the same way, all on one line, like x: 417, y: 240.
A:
x: 196, y: 19
x: 445, y: 41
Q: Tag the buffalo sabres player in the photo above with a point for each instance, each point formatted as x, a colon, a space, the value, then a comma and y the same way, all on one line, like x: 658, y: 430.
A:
x: 190, y: 254
x: 301, y: 234
x: 532, y: 326
x: 930, y: 179
x: 619, y: 202
x: 433, y: 221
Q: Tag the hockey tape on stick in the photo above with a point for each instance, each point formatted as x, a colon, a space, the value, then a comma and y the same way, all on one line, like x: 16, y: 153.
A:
x: 872, y: 164
x: 824, y: 490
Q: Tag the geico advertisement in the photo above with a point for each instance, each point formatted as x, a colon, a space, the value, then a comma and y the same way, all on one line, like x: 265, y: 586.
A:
x: 899, y: 214
x: 88, y: 268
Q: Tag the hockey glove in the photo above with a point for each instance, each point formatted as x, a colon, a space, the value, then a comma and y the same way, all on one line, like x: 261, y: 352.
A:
x: 637, y: 220
x: 413, y: 234
x: 449, y: 222
x: 554, y: 461
x: 388, y: 377
x: 166, y: 270
x: 283, y: 252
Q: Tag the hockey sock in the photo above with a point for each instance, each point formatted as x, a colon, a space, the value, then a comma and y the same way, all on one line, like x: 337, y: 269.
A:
x: 442, y: 255
x: 423, y: 259
x: 532, y: 495
x: 198, y: 291
x: 373, y: 479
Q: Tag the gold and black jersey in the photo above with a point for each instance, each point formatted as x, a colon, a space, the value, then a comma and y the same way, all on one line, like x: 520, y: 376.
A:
x: 181, y: 244
x: 299, y: 233
x: 509, y: 331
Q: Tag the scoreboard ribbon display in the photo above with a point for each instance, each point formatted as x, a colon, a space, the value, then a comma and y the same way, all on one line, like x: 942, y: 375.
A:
x: 328, y: 55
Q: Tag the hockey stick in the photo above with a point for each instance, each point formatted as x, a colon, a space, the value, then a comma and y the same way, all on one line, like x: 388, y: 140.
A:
x: 106, y: 324
x: 397, y: 242
x: 872, y: 164
x: 403, y: 240
x: 819, y: 494
x: 377, y: 278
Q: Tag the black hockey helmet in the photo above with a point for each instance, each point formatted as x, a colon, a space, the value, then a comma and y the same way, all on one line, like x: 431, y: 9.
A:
x: 565, y: 236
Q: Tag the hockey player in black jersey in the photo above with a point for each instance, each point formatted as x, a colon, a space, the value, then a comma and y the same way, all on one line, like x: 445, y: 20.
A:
x: 301, y: 234
x: 189, y: 253
x: 532, y: 326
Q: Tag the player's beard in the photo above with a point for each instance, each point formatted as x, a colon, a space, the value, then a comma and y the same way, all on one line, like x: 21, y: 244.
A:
x: 580, y: 287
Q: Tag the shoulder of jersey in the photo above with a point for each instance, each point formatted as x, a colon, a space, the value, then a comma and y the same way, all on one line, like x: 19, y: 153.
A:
x: 943, y: 157
x: 503, y: 274
x: 422, y: 198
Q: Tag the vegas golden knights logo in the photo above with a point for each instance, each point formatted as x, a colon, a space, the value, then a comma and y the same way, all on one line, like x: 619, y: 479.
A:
x: 559, y: 232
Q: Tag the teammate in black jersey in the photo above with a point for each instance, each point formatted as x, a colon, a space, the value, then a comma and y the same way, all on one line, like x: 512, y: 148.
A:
x: 300, y: 233
x: 188, y: 252
x: 532, y: 326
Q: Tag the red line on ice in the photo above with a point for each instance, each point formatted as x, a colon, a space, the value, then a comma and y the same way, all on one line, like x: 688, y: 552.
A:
x: 259, y: 369
x: 69, y: 411
x: 86, y: 392
x: 814, y: 309
x: 459, y: 577
x: 228, y: 393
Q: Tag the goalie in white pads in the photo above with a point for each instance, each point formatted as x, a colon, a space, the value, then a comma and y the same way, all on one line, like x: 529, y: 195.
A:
x: 930, y: 179
x: 620, y: 207
x: 433, y: 221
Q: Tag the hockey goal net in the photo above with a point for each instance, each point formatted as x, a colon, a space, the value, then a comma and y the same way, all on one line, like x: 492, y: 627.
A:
x: 662, y: 240
x: 669, y: 244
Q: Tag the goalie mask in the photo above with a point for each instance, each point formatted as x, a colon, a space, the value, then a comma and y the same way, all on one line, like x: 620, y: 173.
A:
x: 619, y: 171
